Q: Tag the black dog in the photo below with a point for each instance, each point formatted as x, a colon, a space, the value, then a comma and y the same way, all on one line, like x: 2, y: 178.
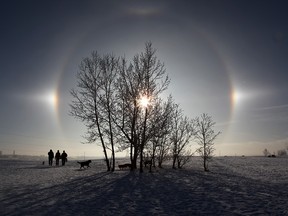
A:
x: 84, y: 163
x: 147, y: 162
x: 123, y: 166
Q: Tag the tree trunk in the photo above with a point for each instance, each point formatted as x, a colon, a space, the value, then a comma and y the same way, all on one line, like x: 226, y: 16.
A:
x: 205, y: 164
x: 143, y: 141
x: 113, y: 159
x: 131, y: 156
x: 160, y: 164
x: 106, y: 159
x: 111, y: 138
x: 178, y: 163
x: 153, y: 155
x: 174, y: 161
x: 134, y: 159
x: 141, y: 159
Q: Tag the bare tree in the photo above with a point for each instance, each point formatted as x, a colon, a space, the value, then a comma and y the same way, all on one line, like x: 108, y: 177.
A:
x: 184, y: 158
x: 181, y: 135
x: 93, y: 100
x: 120, y: 102
x: 282, y: 152
x: 158, y: 133
x: 163, y: 149
x: 205, y: 136
x: 266, y: 152
x: 109, y: 68
x: 139, y: 86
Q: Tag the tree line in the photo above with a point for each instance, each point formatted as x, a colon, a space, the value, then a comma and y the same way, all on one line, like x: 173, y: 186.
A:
x: 121, y: 106
x: 280, y: 152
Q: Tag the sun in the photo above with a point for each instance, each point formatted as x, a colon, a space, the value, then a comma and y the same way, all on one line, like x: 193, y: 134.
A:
x: 144, y: 101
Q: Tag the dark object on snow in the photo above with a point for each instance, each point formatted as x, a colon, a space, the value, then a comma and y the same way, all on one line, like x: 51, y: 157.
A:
x: 50, y: 157
x: 272, y: 156
x: 123, y: 166
x: 64, y: 158
x: 147, y: 162
x: 57, y: 157
x: 84, y: 163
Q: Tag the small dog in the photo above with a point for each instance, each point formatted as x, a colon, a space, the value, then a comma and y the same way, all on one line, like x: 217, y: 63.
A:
x: 147, y: 162
x: 123, y: 166
x: 128, y: 165
x: 84, y: 163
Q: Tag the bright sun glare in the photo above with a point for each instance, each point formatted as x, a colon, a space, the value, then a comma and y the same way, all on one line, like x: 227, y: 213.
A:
x: 144, y: 101
x: 53, y: 99
x: 237, y: 97
x: 49, y: 98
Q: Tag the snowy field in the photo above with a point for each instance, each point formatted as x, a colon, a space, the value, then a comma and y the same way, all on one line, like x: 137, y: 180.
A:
x: 234, y: 186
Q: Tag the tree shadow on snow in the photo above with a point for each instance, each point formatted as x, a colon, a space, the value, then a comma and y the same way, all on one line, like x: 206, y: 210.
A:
x: 167, y: 192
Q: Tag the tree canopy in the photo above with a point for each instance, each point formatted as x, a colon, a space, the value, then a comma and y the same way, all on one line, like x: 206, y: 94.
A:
x: 119, y: 102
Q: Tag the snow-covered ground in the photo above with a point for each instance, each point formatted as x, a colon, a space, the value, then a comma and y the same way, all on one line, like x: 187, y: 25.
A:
x: 234, y: 186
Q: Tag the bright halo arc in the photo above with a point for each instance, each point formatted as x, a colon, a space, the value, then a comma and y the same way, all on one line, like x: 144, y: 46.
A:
x: 47, y: 98
x: 236, y: 97
x: 52, y: 99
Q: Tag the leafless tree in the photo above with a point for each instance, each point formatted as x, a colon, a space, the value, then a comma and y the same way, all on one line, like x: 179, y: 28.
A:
x: 184, y: 158
x: 109, y: 68
x: 282, y: 152
x: 93, y: 100
x: 205, y: 136
x: 266, y: 152
x: 158, y: 133
x: 163, y: 149
x: 181, y: 134
x: 143, y: 79
x: 119, y: 102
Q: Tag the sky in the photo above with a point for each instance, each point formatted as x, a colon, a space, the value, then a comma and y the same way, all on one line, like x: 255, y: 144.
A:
x: 224, y: 58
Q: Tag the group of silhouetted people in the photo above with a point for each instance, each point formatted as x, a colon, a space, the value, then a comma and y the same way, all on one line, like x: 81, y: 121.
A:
x: 58, y: 156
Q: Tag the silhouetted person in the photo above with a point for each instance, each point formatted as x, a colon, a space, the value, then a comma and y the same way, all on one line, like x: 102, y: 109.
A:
x: 50, y: 157
x: 57, y: 157
x: 64, y: 158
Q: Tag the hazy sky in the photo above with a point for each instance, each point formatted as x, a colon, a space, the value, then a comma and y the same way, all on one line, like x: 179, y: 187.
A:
x: 226, y: 58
